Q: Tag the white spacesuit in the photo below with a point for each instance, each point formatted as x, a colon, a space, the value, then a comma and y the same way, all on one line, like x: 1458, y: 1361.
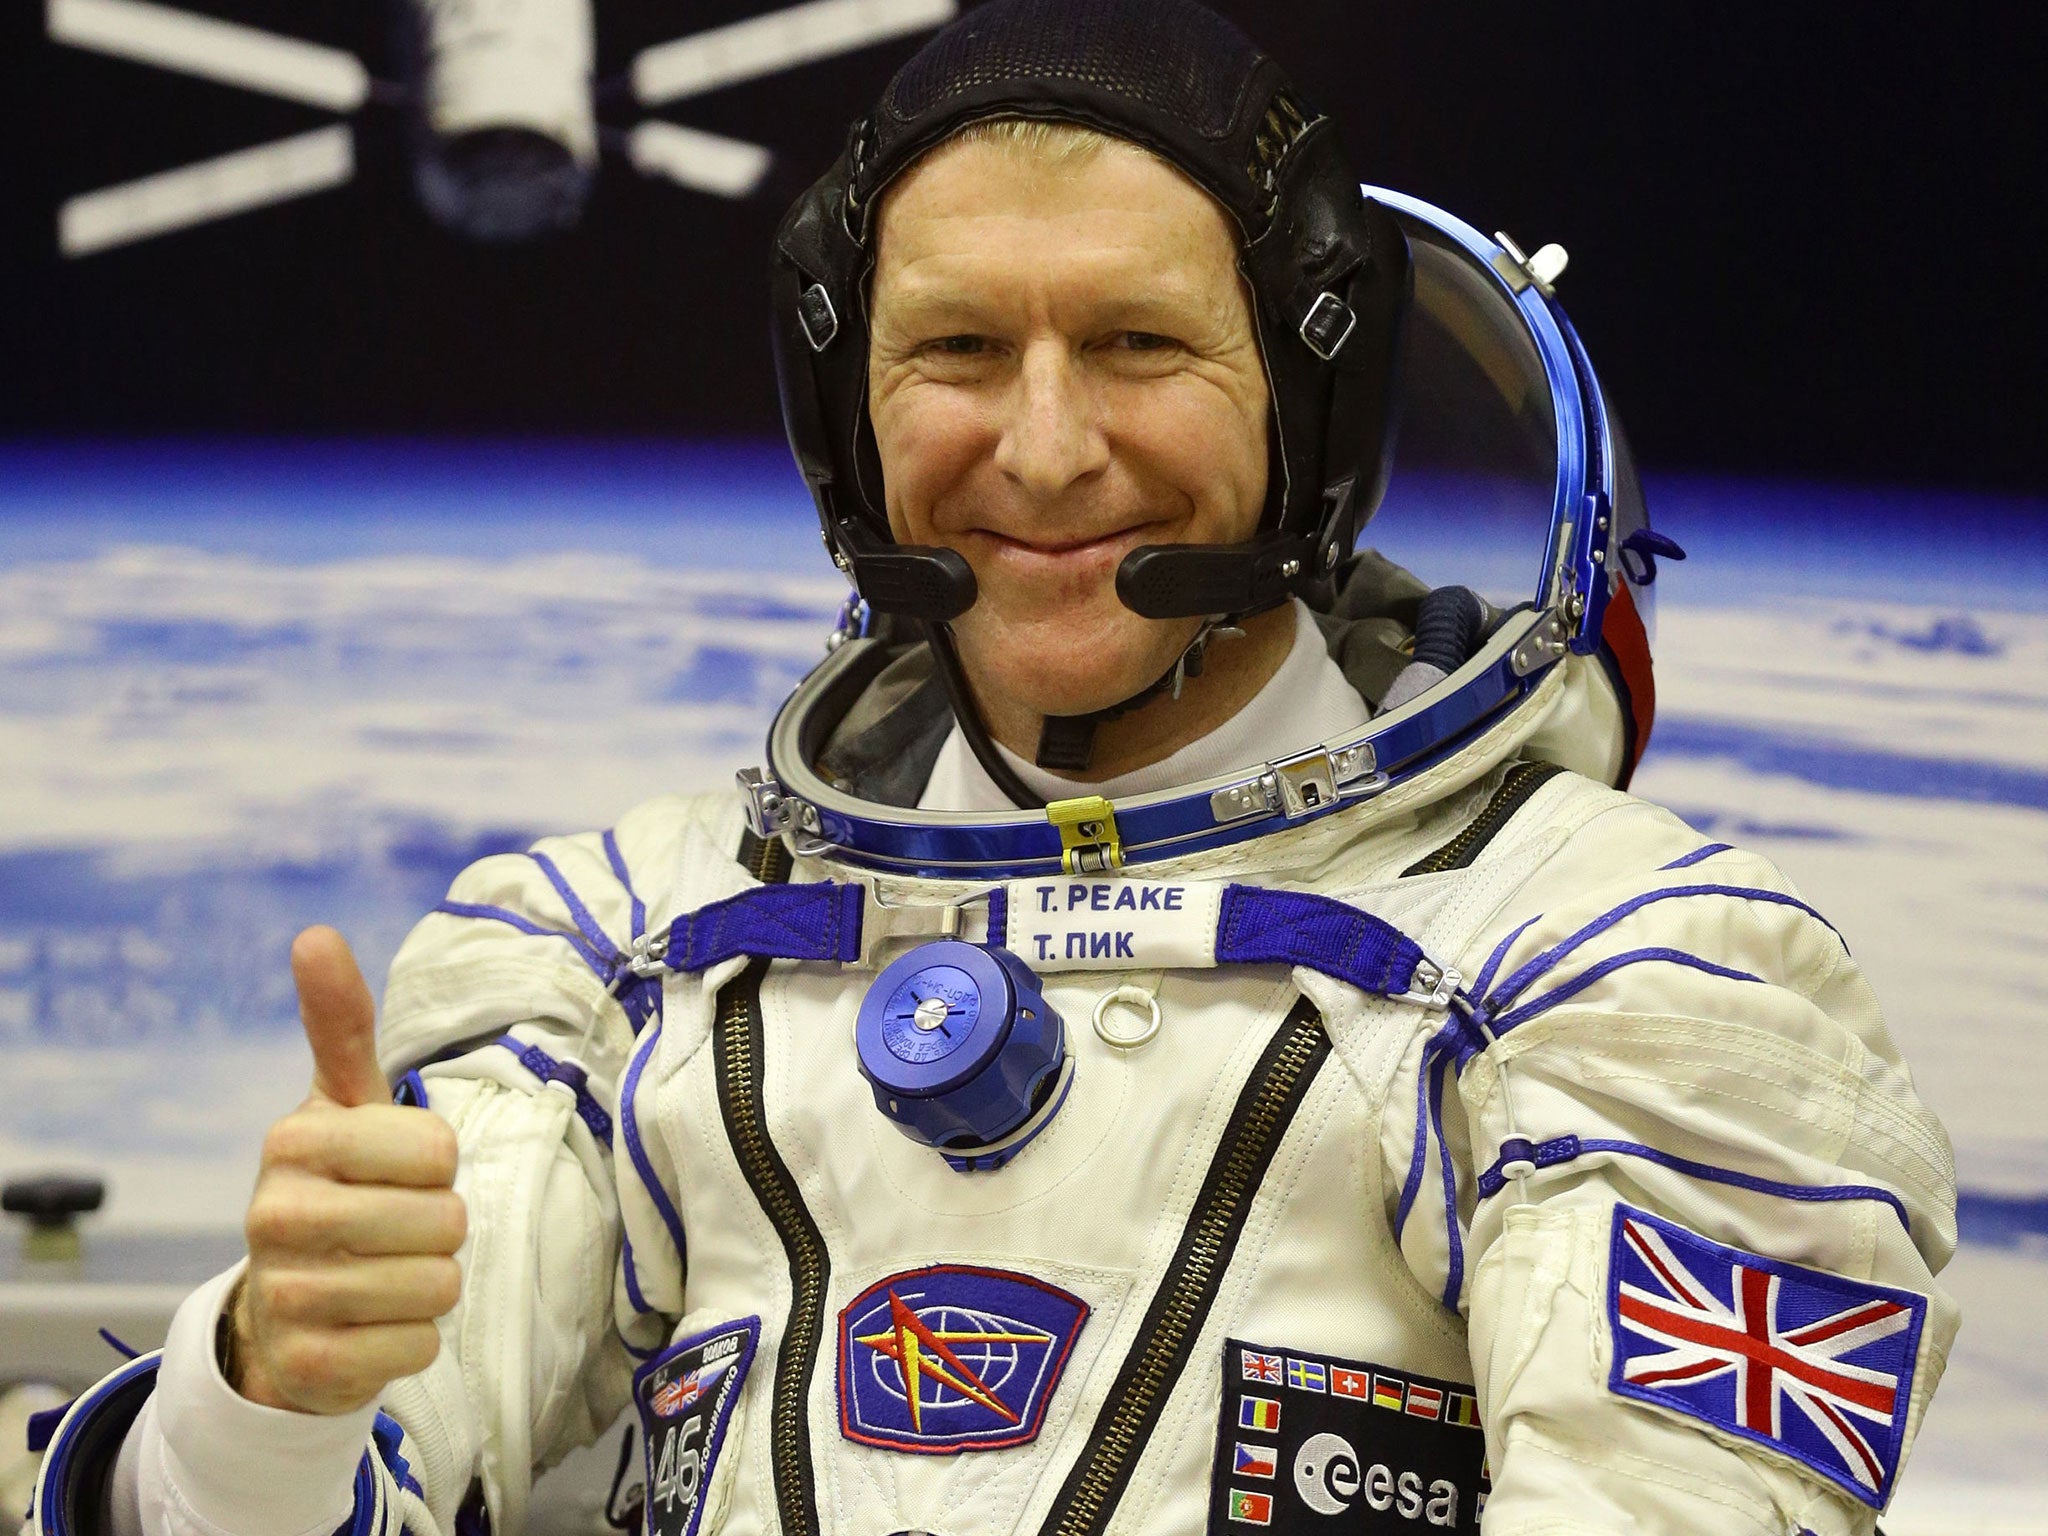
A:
x: 1400, y: 1133
x: 1298, y: 1193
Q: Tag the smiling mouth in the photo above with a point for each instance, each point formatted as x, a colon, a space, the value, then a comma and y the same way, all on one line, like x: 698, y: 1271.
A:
x: 1120, y: 540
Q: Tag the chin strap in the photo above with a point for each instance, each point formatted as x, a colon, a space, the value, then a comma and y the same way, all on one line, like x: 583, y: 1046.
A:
x: 1066, y: 743
x: 940, y: 638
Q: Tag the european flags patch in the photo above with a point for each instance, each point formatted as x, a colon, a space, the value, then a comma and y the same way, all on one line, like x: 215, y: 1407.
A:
x: 1812, y: 1365
x: 1308, y: 1445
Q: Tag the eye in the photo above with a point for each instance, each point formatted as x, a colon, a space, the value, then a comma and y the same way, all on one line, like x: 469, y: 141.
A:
x: 959, y: 346
x: 1146, y: 341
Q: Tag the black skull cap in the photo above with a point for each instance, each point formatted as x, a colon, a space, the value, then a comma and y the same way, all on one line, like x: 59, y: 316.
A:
x: 1170, y: 75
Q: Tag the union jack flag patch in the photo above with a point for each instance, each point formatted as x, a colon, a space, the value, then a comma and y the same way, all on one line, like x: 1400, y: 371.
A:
x: 1814, y: 1366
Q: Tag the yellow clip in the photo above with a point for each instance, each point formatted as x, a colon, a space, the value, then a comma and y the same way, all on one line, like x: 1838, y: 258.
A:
x: 1089, y: 844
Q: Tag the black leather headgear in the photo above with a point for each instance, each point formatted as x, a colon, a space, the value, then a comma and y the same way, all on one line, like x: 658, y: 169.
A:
x: 1327, y: 269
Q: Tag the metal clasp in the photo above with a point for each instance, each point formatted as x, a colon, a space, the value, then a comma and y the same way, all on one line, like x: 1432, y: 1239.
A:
x: 771, y: 811
x: 1542, y: 269
x: 648, y: 955
x: 1253, y: 797
x: 1543, y: 644
x: 815, y: 314
x: 1307, y: 783
x: 1089, y: 841
x: 854, y: 619
x: 1328, y: 325
x: 1315, y: 780
x: 1432, y: 985
x: 1301, y: 785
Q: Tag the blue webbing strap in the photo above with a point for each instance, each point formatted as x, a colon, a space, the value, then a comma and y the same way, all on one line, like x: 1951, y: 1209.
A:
x: 639, y: 995
x: 586, y: 922
x: 1260, y: 927
x: 771, y: 922
x: 1687, y: 860
x: 570, y: 1076
x: 1511, y: 989
x: 1501, y: 1023
x: 620, y: 873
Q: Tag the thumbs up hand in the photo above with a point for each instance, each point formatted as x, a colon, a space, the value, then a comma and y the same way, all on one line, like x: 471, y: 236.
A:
x: 354, y: 1222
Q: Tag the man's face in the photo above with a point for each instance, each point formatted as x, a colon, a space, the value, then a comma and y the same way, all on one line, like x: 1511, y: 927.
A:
x: 1063, y: 368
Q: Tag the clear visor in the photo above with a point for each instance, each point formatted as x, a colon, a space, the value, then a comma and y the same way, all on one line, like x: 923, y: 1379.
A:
x: 1474, y: 474
x: 1474, y: 486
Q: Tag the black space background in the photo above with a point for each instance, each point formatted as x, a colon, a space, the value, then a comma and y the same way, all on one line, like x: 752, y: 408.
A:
x: 1807, y: 238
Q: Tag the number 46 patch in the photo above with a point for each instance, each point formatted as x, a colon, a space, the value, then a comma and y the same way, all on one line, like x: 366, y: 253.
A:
x: 686, y: 1396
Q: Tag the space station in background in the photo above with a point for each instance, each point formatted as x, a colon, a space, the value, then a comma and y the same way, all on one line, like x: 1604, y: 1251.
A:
x: 501, y: 95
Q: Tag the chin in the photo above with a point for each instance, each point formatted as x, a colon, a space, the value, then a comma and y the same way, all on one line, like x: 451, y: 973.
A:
x: 1070, y: 664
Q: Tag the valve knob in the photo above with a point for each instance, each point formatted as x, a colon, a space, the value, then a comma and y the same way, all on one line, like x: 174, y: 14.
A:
x: 51, y: 1203
x: 959, y: 1045
x: 51, y: 1200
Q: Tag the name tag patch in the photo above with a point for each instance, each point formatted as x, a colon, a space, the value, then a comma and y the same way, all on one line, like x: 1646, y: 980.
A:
x: 1309, y: 1444
x: 1812, y: 1365
x: 686, y: 1396
x: 953, y: 1358
x: 1109, y: 925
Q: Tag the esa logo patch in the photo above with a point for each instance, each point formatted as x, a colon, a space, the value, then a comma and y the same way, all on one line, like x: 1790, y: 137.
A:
x: 1817, y: 1367
x: 953, y: 1358
x: 686, y: 1396
x: 1308, y: 1444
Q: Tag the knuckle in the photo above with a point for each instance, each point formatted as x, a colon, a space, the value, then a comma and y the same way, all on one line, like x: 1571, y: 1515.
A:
x: 307, y: 1139
x: 441, y: 1287
x: 438, y: 1152
x: 287, y: 1142
x: 309, y: 1360
x: 270, y: 1222
x: 287, y: 1218
x: 262, y: 1287
x: 290, y: 1295
x: 258, y: 1223
x: 452, y: 1212
x: 422, y: 1345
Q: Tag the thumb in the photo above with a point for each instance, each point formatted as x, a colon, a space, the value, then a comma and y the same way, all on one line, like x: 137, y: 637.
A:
x: 339, y: 1018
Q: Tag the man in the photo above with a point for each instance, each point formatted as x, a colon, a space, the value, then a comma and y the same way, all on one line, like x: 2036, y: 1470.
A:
x: 1164, y: 1049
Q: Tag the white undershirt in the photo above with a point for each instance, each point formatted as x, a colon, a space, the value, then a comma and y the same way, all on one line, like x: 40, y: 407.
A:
x: 1307, y: 701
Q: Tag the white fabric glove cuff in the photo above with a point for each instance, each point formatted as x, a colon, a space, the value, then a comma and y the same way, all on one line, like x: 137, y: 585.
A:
x: 237, y: 1466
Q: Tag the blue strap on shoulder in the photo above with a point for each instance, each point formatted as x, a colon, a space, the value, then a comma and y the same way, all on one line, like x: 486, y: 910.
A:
x: 1519, y: 1153
x: 570, y: 1076
x: 1261, y: 927
x: 821, y: 921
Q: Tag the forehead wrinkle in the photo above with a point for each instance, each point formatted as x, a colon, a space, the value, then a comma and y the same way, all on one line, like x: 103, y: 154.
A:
x: 1128, y: 276
x: 975, y: 222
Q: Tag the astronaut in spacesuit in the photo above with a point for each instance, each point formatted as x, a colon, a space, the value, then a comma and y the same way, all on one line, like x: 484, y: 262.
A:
x: 1183, y: 1033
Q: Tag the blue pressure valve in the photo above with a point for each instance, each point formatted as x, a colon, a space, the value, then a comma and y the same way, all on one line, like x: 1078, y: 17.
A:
x: 962, y: 1051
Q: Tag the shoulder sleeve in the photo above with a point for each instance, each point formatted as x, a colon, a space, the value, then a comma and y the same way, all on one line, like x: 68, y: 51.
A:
x: 547, y: 936
x: 511, y: 1011
x: 1701, y: 1204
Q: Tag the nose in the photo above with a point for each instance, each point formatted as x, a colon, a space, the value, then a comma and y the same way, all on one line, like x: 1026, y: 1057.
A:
x: 1051, y: 434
